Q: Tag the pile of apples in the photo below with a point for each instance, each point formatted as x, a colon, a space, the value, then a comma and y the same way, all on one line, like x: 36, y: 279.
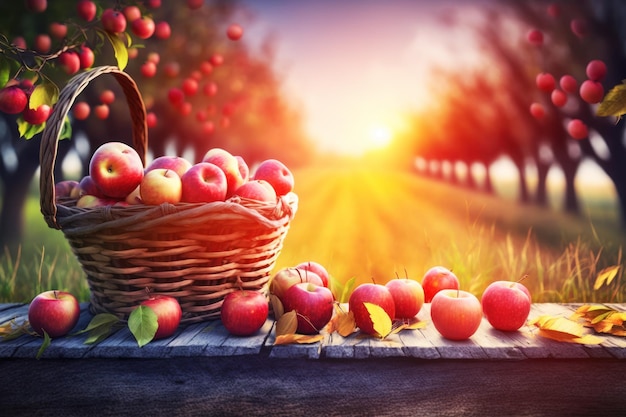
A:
x: 303, y: 288
x: 117, y: 177
x: 456, y: 314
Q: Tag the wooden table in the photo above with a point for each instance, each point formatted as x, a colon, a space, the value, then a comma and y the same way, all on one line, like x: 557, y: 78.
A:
x: 202, y: 370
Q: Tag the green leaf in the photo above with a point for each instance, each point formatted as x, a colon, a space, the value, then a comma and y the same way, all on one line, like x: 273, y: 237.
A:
x: 66, y: 131
x: 347, y: 290
x: 5, y: 70
x: 121, y: 52
x: 614, y: 102
x: 26, y: 130
x: 143, y: 324
x: 44, y: 93
x: 44, y: 345
x: 380, y: 319
x: 100, y: 320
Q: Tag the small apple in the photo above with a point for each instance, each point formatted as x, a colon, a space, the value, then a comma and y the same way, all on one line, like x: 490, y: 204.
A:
x: 57, y: 30
x: 277, y: 174
x: 175, y: 163
x: 168, y: 313
x: 313, y: 305
x: 318, y: 269
x: 65, y: 188
x: 43, y: 42
x: 286, y: 277
x: 204, y: 183
x: 234, y: 32
x: 160, y: 186
x: 370, y: 293
x: 70, y: 61
x: 116, y: 168
x: 54, y: 312
x: 36, y: 6
x: 113, y: 21
x: 408, y: 296
x: 131, y: 13
x: 244, y: 312
x: 162, y: 30
x: 87, y: 186
x: 227, y: 163
x: 143, y: 27
x: 86, y: 57
x: 13, y: 100
x: 36, y: 116
x: 86, y: 10
x: 81, y: 110
x: 244, y: 170
x: 506, y: 305
x: 92, y: 201
x: 438, y: 278
x: 456, y: 314
x: 258, y: 190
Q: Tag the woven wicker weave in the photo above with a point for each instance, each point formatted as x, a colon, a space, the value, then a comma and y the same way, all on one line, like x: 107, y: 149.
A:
x: 197, y: 253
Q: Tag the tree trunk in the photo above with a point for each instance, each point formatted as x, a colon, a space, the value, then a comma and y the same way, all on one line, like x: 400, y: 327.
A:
x: 541, y: 196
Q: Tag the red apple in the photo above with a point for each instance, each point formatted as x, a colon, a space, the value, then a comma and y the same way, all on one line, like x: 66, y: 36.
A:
x: 131, y: 13
x: 286, y: 277
x: 57, y: 30
x: 116, y: 168
x: 569, y: 84
x: 81, y: 110
x: 86, y: 10
x: 244, y: 170
x: 107, y: 97
x: 318, y: 269
x: 227, y: 163
x: 175, y: 163
x: 591, y: 91
x: 204, y: 183
x: 70, y: 61
x: 456, y: 314
x: 13, y: 100
x: 596, y: 70
x: 160, y: 186
x: 148, y: 69
x: 86, y: 57
x: 537, y: 111
x: 506, y: 305
x: 234, y: 32
x: 43, y: 42
x: 162, y: 30
x: 438, y: 278
x: 545, y: 82
x: 91, y: 201
x: 370, y: 293
x: 36, y: 6
x: 313, y: 305
x: 65, y: 188
x: 87, y: 186
x: 168, y: 313
x: 36, y: 116
x: 244, y: 312
x: 54, y: 312
x: 277, y: 174
x: 408, y: 297
x: 143, y: 27
x: 257, y: 190
x: 134, y: 197
x: 113, y: 21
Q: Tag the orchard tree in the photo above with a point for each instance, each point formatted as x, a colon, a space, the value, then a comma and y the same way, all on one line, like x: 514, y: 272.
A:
x: 202, y: 85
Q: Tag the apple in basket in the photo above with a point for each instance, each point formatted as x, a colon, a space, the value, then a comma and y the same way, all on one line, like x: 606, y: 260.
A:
x: 244, y: 312
x: 116, y: 168
x: 160, y: 185
x: 229, y: 165
x: 177, y: 164
x: 277, y: 174
x: 54, y: 312
x: 257, y: 190
x: 204, y: 183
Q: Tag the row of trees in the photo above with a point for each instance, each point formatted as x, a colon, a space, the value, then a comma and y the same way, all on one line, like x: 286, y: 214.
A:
x: 483, y: 115
x: 239, y: 103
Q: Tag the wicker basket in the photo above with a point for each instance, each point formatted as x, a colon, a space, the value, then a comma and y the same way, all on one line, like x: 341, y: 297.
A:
x: 197, y: 253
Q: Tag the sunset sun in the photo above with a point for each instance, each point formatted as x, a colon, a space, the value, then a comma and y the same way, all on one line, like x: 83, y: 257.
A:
x: 379, y: 136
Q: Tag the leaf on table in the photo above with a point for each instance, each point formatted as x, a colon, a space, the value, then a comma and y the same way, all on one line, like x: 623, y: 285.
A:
x: 415, y: 324
x: 100, y: 327
x: 13, y: 329
x: 614, y: 102
x: 381, y: 321
x: 44, y: 345
x: 602, y: 319
x: 284, y: 339
x: 563, y: 330
x: 606, y: 276
x: 287, y: 324
x: 143, y: 324
x: 342, y: 322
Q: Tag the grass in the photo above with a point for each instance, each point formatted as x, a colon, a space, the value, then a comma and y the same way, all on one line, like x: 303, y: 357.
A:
x: 375, y: 225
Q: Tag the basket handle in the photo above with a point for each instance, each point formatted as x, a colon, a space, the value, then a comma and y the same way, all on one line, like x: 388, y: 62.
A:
x: 52, y: 132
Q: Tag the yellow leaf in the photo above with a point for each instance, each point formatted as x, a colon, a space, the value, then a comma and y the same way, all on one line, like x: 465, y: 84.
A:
x: 380, y: 319
x: 285, y: 339
x: 607, y: 275
x: 277, y: 306
x: 564, y: 337
x: 614, y: 102
x: 342, y: 322
x: 415, y: 324
x: 119, y: 47
x: 287, y: 324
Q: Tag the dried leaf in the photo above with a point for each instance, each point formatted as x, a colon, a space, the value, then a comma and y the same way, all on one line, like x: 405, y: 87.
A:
x: 285, y: 339
x: 602, y: 319
x: 287, y: 324
x: 12, y: 329
x: 606, y: 276
x: 563, y: 337
x: 563, y: 330
x: 380, y: 320
x: 277, y: 306
x: 614, y: 102
x: 342, y: 322
x: 415, y: 324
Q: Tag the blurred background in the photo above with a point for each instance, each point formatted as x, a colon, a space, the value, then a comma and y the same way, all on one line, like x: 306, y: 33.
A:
x: 407, y: 125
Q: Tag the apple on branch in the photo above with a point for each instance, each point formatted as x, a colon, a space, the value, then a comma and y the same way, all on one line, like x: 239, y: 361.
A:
x: 54, y: 312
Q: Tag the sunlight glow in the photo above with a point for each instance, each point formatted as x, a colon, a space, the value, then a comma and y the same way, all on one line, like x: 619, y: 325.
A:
x: 380, y: 136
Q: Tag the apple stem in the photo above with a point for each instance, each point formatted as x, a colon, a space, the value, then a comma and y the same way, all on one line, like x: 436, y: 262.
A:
x: 522, y: 278
x: 373, y: 280
x: 56, y: 294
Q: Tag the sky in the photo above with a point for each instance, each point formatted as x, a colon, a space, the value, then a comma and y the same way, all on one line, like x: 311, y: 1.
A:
x: 355, y: 66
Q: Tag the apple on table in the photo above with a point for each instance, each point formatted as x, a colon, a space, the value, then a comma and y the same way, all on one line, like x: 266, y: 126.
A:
x: 313, y: 304
x: 456, y: 314
x: 408, y: 296
x: 370, y: 293
x: 53, y: 312
x: 244, y: 312
x: 436, y: 279
x: 316, y: 268
x: 168, y: 312
x: 506, y: 304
